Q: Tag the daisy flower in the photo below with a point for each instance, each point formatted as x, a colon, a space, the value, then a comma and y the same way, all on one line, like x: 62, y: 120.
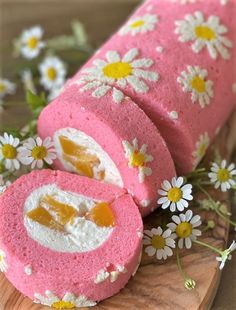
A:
x: 194, y: 81
x: 204, y: 34
x: 226, y: 255
x: 138, y: 158
x: 116, y: 71
x: 54, y: 93
x: 27, y: 80
x: 53, y: 72
x: 158, y: 243
x: 222, y: 175
x: 31, y: 42
x: 3, y: 264
x: 69, y: 301
x: 9, y: 151
x: 184, y: 228
x: 35, y: 152
x: 140, y: 24
x: 201, y: 148
x: 6, y: 88
x: 175, y: 194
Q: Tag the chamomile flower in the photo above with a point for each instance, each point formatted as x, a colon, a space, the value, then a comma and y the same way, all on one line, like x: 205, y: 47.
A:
x: 9, y: 151
x: 204, y: 34
x: 27, y: 80
x: 138, y: 158
x: 69, y: 301
x: 6, y: 88
x: 31, y: 42
x: 222, y: 175
x: 201, y: 148
x: 175, y: 194
x: 53, y: 72
x: 226, y: 255
x: 118, y: 72
x: 159, y: 243
x: 35, y: 152
x: 194, y: 80
x: 140, y: 24
x: 54, y: 93
x: 184, y: 228
x: 3, y: 264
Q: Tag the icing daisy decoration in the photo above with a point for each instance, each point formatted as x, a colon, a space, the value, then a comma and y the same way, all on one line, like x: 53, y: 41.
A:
x: 9, y: 152
x: 6, y: 88
x: 183, y: 228
x: 117, y: 72
x: 223, y: 175
x: 194, y: 80
x: 3, y: 264
x: 175, y: 194
x: 69, y: 301
x: 159, y: 243
x: 53, y: 72
x: 201, y: 147
x: 140, y: 24
x: 203, y: 33
x: 35, y: 152
x: 138, y: 158
x: 31, y: 42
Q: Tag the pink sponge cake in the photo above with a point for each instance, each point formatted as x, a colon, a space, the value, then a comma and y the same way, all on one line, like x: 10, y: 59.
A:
x: 114, y: 143
x: 68, y: 241
x: 176, y: 60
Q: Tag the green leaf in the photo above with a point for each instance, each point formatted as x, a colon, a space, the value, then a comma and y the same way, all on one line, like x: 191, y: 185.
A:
x: 36, y: 102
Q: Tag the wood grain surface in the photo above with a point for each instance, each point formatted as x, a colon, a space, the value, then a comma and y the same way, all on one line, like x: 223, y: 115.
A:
x: 156, y: 286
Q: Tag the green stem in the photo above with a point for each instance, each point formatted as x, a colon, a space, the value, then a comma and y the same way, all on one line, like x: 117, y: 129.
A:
x: 208, y: 246
x: 179, y: 264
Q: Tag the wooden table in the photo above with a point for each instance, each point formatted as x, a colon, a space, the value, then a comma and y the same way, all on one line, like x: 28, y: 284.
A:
x: 101, y: 18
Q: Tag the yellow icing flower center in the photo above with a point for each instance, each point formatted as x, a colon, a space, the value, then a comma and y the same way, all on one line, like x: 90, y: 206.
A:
x: 52, y: 73
x: 1, y: 258
x: 32, y: 42
x: 39, y: 152
x: 223, y: 175
x: 205, y: 33
x: 63, y: 305
x: 2, y: 88
x: 9, y: 151
x: 137, y: 24
x: 137, y: 159
x: 158, y: 242
x: 117, y: 70
x: 198, y: 84
x: 174, y: 194
x: 184, y: 230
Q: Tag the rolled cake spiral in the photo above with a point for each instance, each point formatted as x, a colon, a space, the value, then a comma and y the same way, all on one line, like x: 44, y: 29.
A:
x: 68, y: 239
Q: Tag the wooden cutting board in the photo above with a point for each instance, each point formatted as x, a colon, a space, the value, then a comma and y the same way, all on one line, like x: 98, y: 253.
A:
x: 159, y: 286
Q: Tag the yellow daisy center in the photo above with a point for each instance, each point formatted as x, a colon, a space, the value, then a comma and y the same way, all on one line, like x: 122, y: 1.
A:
x: 175, y: 194
x: 205, y: 33
x: 184, y: 230
x: 137, y: 24
x: 52, y: 73
x: 2, y: 88
x: 198, y: 84
x: 158, y: 242
x: 39, y: 152
x: 32, y: 42
x: 223, y: 175
x: 117, y: 70
x: 137, y: 159
x: 63, y: 305
x: 9, y: 151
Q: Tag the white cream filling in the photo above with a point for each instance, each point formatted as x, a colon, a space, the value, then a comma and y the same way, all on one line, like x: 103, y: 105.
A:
x: 112, y: 174
x: 81, y: 236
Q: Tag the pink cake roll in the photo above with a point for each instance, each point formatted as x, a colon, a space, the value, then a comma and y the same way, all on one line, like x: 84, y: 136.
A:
x: 68, y: 241
x: 113, y: 143
x: 176, y: 60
